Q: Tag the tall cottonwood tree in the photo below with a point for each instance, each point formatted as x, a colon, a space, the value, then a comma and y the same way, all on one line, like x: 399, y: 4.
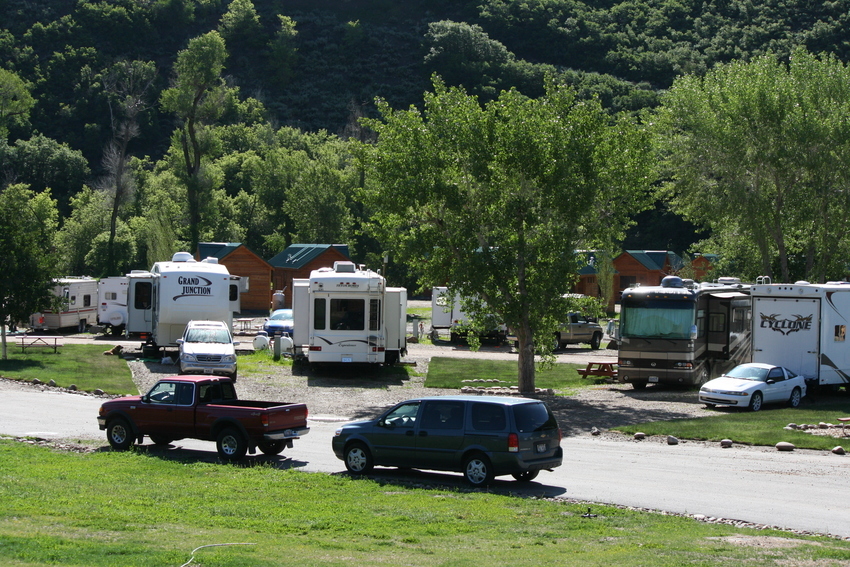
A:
x: 196, y: 99
x: 127, y: 85
x: 495, y: 200
x: 757, y: 152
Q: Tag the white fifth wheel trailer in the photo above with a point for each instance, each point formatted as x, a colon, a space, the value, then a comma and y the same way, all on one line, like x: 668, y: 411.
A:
x: 348, y: 315
x: 447, y: 314
x: 112, y: 303
x: 803, y: 327
x: 78, y: 299
x: 162, y: 301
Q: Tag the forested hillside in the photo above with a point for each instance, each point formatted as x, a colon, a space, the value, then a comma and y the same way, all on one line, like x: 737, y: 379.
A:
x: 142, y: 149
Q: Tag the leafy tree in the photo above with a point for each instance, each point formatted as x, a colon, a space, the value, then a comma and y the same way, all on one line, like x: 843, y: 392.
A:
x: 757, y: 153
x: 27, y: 266
x: 495, y: 200
x: 196, y: 99
x: 15, y: 101
x: 43, y: 163
x: 74, y: 240
x: 283, y: 52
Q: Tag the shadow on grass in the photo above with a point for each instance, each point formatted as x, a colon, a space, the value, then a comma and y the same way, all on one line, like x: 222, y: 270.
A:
x: 175, y: 452
x: 22, y: 365
x: 386, y: 476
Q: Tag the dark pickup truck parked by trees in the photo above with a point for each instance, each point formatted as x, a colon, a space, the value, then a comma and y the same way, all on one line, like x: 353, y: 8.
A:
x: 207, y: 408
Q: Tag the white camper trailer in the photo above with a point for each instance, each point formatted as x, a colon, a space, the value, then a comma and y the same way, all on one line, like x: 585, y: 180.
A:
x: 162, y: 301
x: 803, y: 327
x: 112, y: 303
x: 348, y: 315
x: 447, y: 314
x: 78, y: 306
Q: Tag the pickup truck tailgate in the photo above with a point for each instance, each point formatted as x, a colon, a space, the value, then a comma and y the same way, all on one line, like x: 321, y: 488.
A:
x: 292, y: 416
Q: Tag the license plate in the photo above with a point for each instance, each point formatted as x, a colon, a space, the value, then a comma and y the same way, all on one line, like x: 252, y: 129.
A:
x: 653, y: 378
x: 208, y: 370
x: 541, y: 447
x: 346, y: 359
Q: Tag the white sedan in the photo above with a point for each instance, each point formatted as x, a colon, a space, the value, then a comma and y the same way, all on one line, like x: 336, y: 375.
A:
x: 752, y: 385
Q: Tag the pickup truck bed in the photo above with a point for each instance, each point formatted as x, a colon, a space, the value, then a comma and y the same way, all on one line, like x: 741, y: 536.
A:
x: 207, y: 408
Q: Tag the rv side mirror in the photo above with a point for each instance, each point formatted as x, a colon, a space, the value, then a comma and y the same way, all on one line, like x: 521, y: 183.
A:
x: 694, y: 332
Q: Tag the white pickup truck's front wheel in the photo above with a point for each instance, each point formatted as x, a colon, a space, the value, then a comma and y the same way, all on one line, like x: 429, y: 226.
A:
x: 231, y: 444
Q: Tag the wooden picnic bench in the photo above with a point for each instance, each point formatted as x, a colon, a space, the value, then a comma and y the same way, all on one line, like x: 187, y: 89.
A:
x: 599, y: 370
x: 38, y: 341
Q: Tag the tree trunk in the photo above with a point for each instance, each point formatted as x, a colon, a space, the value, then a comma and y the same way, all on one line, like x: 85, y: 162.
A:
x: 525, y: 370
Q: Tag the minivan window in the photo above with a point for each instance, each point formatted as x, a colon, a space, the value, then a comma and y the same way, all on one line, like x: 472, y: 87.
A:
x: 442, y: 415
x: 488, y: 417
x: 534, y: 417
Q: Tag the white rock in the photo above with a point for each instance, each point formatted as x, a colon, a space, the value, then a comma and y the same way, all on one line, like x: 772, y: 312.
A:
x: 672, y: 440
x: 785, y: 446
x: 838, y: 450
x: 726, y: 443
x: 640, y: 435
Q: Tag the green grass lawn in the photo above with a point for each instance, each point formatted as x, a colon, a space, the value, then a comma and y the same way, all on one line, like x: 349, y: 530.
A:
x: 132, y: 509
x: 444, y: 372
x: 765, y: 427
x: 84, y: 366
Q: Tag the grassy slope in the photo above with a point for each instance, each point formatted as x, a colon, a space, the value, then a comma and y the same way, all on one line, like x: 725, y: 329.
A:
x: 133, y: 509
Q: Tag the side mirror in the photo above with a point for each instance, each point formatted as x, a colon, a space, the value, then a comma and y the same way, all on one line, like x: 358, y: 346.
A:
x: 180, y: 341
x: 235, y: 343
x: 694, y: 332
x: 146, y: 399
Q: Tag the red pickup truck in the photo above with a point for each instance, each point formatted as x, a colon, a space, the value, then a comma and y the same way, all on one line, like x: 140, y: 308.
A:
x: 203, y: 407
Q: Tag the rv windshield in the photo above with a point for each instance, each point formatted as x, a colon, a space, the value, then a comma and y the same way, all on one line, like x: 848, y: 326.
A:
x: 656, y: 319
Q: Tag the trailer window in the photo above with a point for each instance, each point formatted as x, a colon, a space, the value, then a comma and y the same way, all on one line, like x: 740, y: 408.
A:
x: 143, y: 295
x: 234, y: 292
x: 348, y: 314
x: 86, y: 301
x: 374, y: 314
x: 319, y: 314
x: 840, y: 333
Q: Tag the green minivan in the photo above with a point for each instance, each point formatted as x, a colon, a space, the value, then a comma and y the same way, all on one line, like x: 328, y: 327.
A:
x: 480, y: 436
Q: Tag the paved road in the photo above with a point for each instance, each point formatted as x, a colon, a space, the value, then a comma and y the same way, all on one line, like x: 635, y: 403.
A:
x: 801, y: 490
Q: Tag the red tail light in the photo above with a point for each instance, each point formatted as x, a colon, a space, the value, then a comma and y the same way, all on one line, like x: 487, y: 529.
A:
x: 513, y: 443
x: 264, y: 419
x: 315, y: 348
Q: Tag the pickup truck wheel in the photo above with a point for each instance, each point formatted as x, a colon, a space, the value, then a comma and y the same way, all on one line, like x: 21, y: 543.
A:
x: 231, y: 445
x: 119, y: 434
x: 271, y: 447
x: 358, y: 459
x: 596, y: 341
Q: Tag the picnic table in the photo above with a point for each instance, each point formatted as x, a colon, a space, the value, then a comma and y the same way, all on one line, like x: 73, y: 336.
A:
x: 38, y: 341
x: 599, y: 370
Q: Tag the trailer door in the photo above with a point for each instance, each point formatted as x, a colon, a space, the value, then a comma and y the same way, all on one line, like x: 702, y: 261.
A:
x: 786, y: 332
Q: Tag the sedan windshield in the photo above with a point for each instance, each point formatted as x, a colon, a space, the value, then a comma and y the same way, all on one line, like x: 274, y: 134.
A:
x: 749, y: 373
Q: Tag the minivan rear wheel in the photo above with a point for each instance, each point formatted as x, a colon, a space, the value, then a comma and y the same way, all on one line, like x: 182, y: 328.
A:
x: 477, y: 470
x: 525, y: 476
